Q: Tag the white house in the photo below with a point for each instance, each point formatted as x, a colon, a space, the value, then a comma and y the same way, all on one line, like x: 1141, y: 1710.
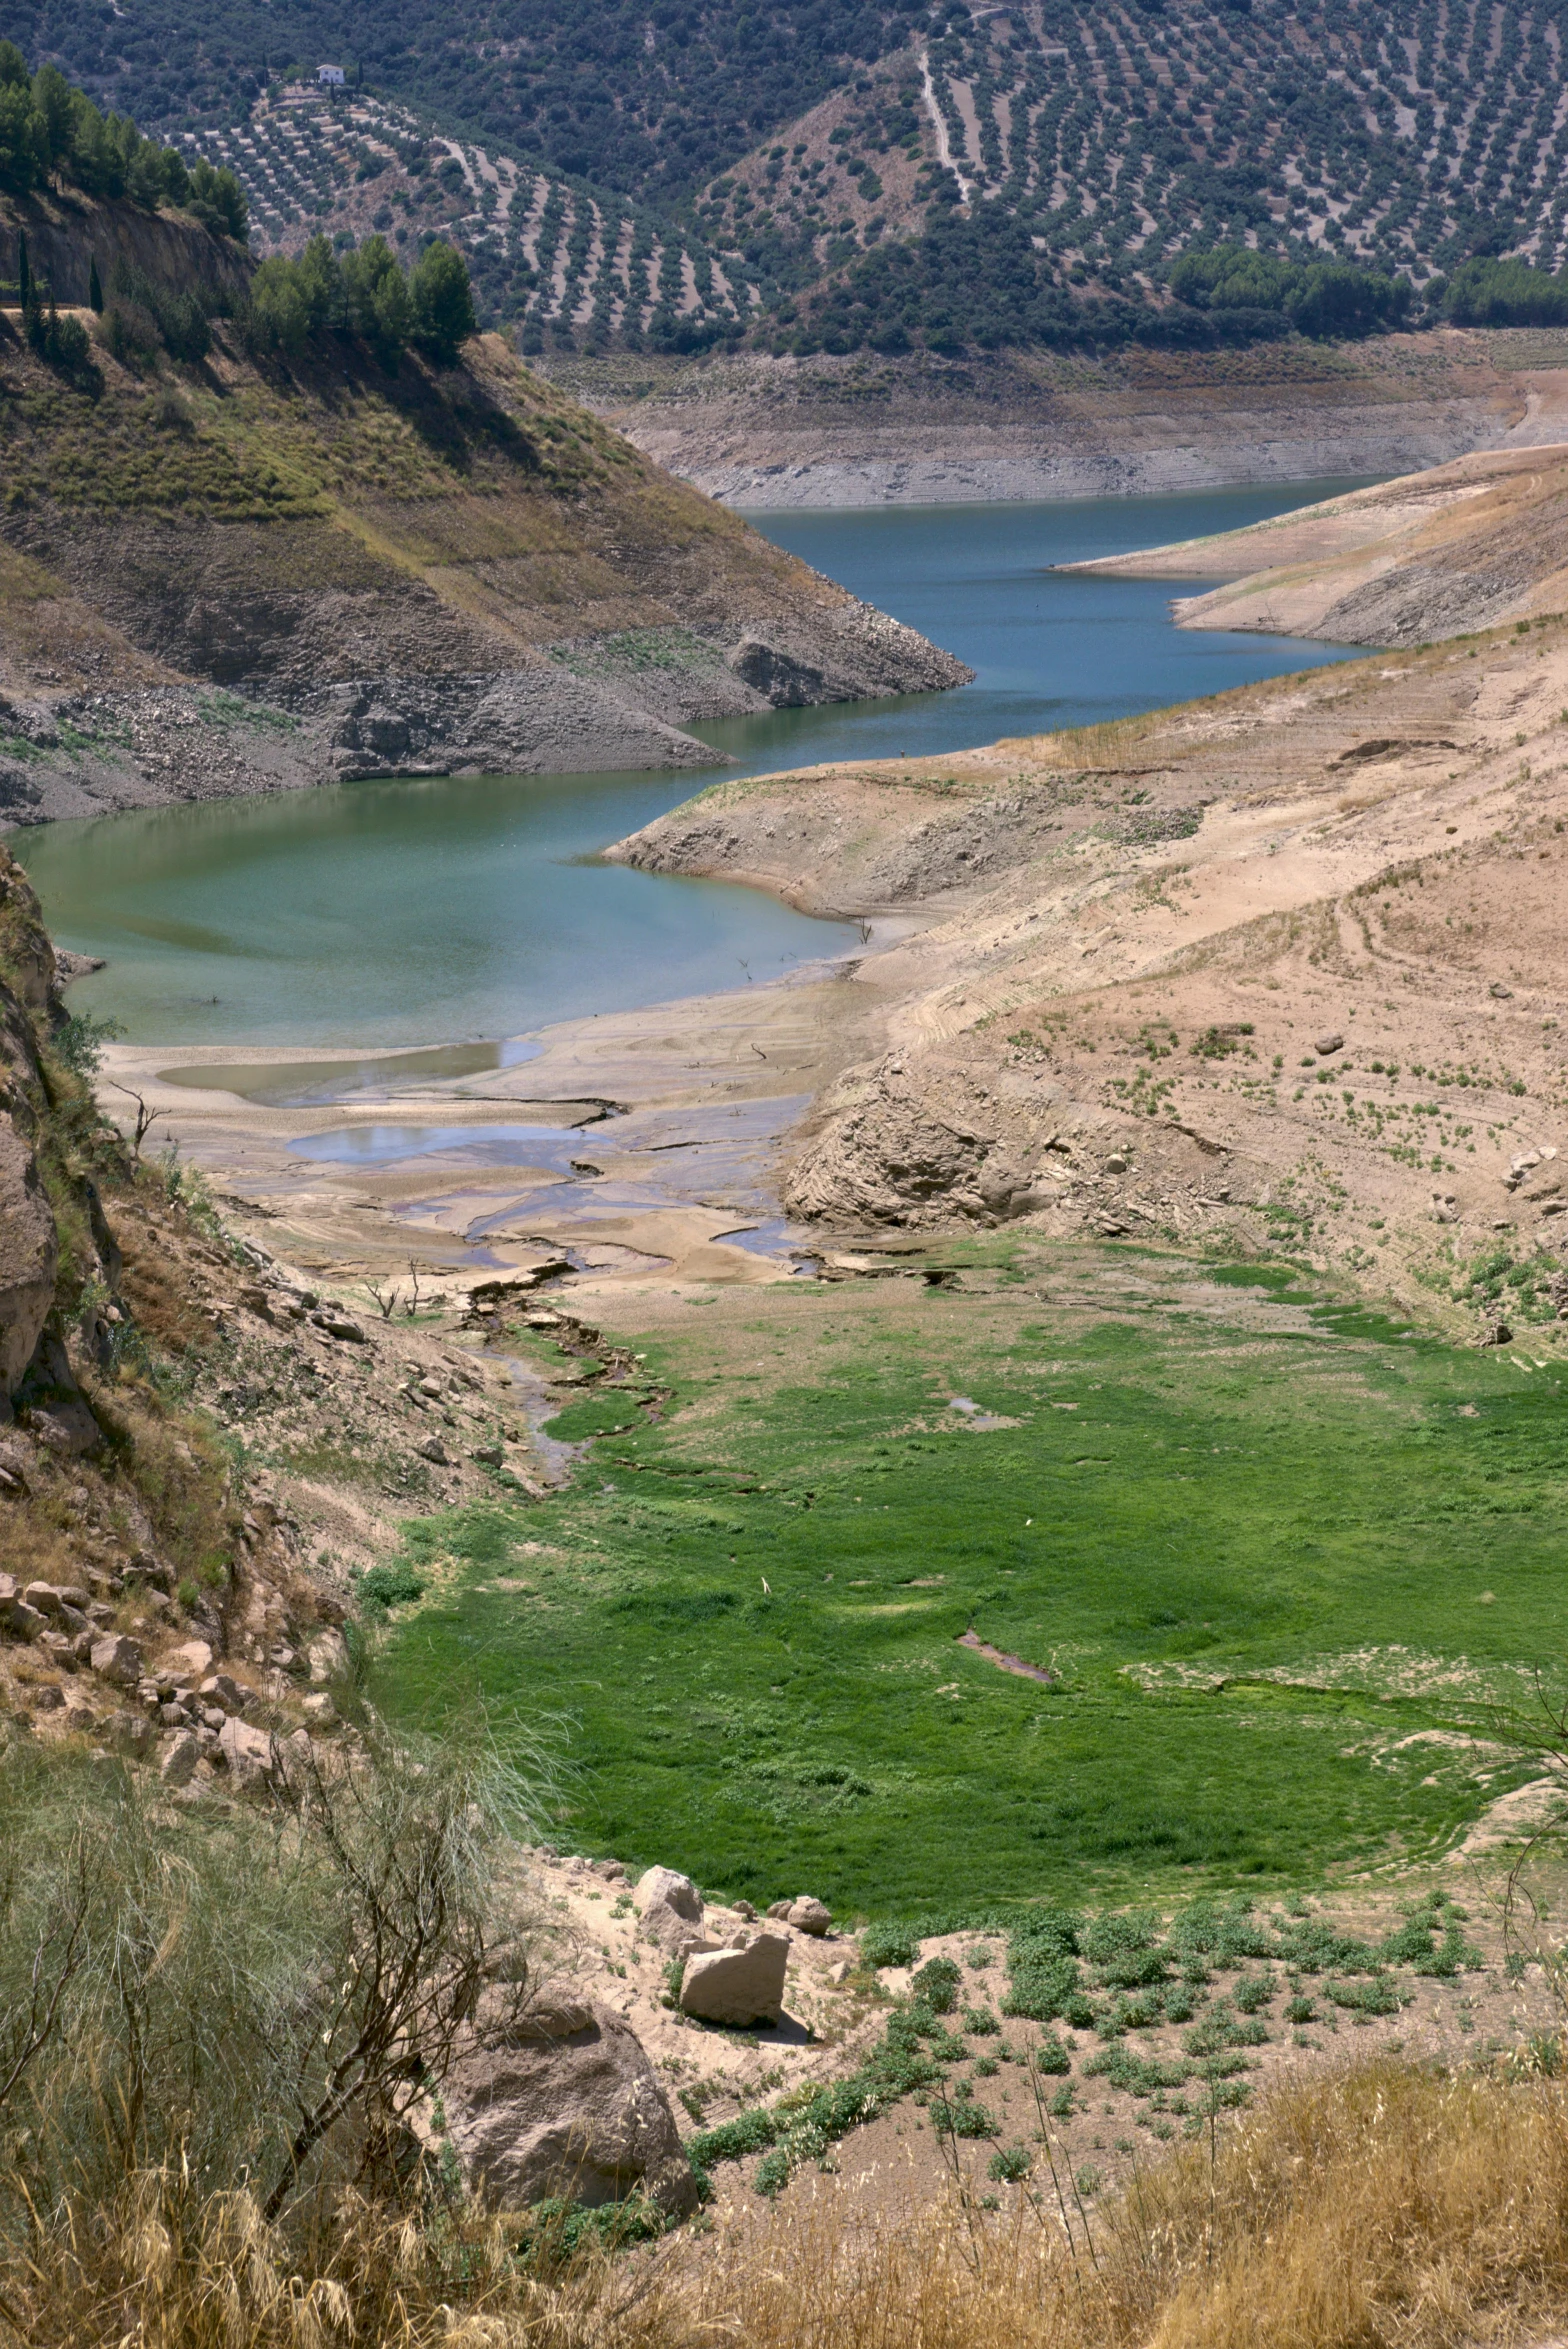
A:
x: 331, y: 76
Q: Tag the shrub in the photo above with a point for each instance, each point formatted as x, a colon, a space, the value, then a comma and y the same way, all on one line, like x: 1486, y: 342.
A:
x: 1009, y: 2165
x: 391, y: 1586
x: 936, y: 1985
x: 888, y: 1945
x: 1504, y: 293
x: 749, y: 2132
x: 222, y: 1993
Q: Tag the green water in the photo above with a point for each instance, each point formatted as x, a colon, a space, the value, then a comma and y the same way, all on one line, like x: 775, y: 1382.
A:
x: 437, y: 911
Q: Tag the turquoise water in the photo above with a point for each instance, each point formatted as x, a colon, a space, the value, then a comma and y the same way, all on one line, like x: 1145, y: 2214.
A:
x: 434, y: 911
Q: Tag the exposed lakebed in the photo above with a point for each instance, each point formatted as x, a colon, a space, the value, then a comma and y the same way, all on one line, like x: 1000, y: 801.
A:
x: 434, y: 911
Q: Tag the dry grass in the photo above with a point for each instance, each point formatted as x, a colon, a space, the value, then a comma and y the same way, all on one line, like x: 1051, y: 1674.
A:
x: 1384, y: 2209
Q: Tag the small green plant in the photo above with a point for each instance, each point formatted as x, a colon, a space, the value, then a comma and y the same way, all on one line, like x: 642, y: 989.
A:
x: 381, y: 1587
x: 80, y: 1039
x: 1009, y: 2164
x: 936, y: 1985
x: 980, y: 2022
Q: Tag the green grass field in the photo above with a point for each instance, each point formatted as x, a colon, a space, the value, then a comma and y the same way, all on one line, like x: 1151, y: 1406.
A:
x: 1284, y: 1562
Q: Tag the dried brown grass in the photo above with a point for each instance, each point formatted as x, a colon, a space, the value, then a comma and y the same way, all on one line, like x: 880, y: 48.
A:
x: 1387, y: 2208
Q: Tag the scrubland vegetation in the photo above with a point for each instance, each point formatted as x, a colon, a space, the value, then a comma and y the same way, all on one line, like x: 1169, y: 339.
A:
x: 1390, y: 2207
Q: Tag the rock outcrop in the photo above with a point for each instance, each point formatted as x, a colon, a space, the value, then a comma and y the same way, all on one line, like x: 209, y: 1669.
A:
x: 54, y: 1244
x: 562, y: 2101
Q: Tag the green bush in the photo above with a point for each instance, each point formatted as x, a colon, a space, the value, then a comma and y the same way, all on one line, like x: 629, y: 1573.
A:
x: 391, y: 1586
x: 1009, y: 2165
x: 1504, y: 293
x: 749, y: 2132
x: 888, y: 1945
x: 936, y: 1985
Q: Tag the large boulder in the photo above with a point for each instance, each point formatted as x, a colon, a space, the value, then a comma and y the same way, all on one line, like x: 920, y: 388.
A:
x: 738, y: 1986
x: 670, y: 1907
x: 562, y: 2101
x: 249, y: 1754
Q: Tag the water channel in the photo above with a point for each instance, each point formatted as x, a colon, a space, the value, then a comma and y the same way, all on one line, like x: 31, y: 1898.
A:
x: 435, y: 911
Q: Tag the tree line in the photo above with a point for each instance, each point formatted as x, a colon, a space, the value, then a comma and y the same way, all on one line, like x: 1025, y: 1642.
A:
x: 52, y: 132
x: 364, y: 292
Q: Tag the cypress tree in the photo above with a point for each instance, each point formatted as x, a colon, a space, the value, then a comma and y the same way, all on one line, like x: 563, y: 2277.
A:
x: 24, y: 275
x: 94, y: 289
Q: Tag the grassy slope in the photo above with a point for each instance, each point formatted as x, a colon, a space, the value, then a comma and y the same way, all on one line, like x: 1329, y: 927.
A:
x: 1238, y: 1491
x: 529, y: 520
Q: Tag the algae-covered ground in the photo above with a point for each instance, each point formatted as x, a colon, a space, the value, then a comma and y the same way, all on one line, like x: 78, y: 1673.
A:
x: 1285, y: 1564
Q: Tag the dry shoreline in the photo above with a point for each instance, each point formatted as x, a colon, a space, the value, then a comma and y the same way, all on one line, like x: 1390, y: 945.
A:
x: 776, y: 434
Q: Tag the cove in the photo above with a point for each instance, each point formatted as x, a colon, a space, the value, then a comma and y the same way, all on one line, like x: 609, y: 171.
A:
x: 442, y: 910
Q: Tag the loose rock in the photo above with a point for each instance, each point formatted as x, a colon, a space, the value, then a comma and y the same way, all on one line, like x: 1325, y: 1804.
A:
x: 563, y: 2101
x: 738, y: 1986
x: 671, y: 1909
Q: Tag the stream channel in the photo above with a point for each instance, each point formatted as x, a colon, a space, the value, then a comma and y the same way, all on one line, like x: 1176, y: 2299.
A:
x: 437, y: 912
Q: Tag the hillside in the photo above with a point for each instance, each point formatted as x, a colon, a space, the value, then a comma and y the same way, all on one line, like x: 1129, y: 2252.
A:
x: 238, y: 572
x: 881, y: 176
x: 1462, y: 547
x: 764, y: 431
x: 1279, y: 969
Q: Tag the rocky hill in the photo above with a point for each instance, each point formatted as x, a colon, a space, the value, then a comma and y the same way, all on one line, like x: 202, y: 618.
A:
x: 242, y: 573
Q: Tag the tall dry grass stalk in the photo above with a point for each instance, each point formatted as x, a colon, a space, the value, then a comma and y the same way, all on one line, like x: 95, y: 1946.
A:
x: 1387, y: 2208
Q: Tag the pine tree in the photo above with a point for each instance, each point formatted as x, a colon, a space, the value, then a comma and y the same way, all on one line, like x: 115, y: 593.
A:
x: 94, y: 289
x: 24, y: 275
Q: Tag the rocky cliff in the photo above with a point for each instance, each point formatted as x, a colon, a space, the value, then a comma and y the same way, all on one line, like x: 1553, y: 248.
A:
x: 67, y: 231
x: 414, y: 570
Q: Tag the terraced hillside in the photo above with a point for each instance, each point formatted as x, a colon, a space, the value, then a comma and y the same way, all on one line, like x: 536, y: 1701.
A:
x: 587, y: 266
x: 1012, y: 162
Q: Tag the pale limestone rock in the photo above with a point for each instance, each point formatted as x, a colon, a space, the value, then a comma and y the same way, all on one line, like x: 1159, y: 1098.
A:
x: 191, y: 1661
x: 808, y: 1916
x: 327, y: 1655
x: 116, y: 1658
x: 247, y: 1751
x: 738, y: 1986
x: 180, y: 1757
x: 671, y: 1909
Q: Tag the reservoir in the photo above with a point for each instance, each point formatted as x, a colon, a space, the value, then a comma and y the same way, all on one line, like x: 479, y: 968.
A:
x: 434, y: 911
